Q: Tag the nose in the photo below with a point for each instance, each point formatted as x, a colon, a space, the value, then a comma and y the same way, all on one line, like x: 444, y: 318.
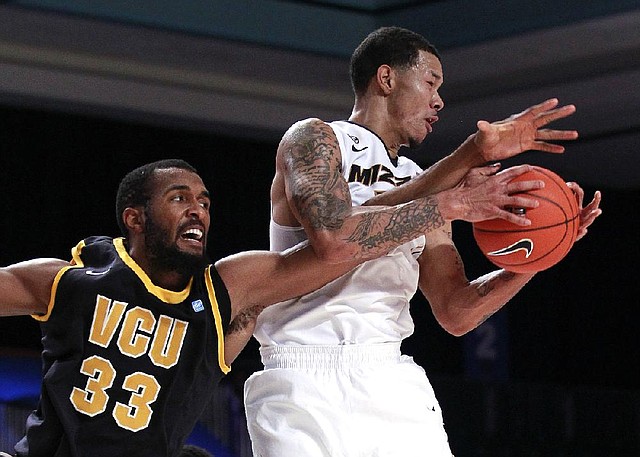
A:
x: 197, y: 211
x: 437, y: 103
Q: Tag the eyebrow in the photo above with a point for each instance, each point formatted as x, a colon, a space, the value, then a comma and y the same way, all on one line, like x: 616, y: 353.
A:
x: 204, y: 193
x: 435, y: 74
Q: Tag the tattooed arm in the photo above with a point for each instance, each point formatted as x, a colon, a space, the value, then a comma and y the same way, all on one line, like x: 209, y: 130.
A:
x: 240, y: 332
x: 460, y: 305
x: 310, y: 190
x: 257, y: 279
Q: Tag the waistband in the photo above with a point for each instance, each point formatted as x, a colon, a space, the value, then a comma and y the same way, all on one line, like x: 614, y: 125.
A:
x: 305, y: 357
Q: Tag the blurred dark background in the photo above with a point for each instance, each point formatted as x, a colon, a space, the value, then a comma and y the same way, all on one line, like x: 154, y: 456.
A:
x: 88, y: 93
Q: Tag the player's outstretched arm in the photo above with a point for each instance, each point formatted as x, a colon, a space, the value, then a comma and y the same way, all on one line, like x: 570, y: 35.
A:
x: 460, y: 305
x: 257, y: 279
x: 25, y: 287
x: 261, y: 278
x: 494, y: 141
x: 308, y: 168
x: 524, y: 131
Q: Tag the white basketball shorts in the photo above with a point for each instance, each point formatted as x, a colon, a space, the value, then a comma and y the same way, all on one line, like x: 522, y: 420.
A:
x: 343, y: 401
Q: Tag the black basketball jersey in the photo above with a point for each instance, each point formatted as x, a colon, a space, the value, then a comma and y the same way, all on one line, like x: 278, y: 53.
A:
x: 128, y: 367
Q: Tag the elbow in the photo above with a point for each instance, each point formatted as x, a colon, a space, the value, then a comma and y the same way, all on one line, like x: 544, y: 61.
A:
x: 458, y: 331
x: 454, y: 323
x: 454, y: 328
x: 332, y: 249
x: 336, y: 254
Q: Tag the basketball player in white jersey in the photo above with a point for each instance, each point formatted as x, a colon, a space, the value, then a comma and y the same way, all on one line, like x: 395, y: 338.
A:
x: 335, y: 382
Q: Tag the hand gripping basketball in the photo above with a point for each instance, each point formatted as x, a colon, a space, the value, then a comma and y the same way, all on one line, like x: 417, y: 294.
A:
x: 552, y: 233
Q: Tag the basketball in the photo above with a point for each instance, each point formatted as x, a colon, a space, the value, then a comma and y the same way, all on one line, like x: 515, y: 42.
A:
x: 553, y: 229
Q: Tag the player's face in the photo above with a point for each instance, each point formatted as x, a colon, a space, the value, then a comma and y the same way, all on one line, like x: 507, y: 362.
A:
x: 415, y: 101
x: 177, y: 219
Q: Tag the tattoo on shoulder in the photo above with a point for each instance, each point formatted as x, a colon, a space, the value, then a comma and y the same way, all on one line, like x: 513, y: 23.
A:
x: 320, y: 193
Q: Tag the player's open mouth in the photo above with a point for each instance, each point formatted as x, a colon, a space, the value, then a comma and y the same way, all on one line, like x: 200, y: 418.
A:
x: 430, y: 121
x: 193, y: 234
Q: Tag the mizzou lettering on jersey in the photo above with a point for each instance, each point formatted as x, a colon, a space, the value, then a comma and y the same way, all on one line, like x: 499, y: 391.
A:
x: 377, y: 173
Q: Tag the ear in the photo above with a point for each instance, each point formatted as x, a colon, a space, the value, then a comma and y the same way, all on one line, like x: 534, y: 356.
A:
x: 133, y: 219
x: 384, y: 78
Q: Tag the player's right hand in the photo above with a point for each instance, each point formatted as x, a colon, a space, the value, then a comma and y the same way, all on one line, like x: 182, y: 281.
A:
x: 485, y: 192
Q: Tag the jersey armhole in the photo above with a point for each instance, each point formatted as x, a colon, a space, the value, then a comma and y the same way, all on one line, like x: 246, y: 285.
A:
x: 52, y: 299
x: 214, y: 283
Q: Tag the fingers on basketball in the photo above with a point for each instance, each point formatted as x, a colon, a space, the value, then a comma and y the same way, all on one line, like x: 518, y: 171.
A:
x: 544, y: 243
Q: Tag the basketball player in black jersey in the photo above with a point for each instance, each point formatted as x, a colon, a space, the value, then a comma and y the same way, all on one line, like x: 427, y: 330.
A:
x: 138, y: 330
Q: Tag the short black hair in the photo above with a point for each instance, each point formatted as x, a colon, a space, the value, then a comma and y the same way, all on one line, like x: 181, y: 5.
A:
x: 393, y: 46
x: 134, y: 187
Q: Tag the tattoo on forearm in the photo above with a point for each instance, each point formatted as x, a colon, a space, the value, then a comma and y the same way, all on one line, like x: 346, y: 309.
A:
x: 244, y: 319
x: 490, y: 285
x: 412, y: 220
x: 486, y: 287
x: 507, y: 276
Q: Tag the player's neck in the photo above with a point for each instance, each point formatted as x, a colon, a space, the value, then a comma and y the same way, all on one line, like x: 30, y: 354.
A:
x: 372, y: 114
x: 170, y: 280
x: 160, y: 276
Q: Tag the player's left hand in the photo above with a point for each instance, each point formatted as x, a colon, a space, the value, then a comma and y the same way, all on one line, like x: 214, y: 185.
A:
x: 589, y: 213
x: 523, y: 132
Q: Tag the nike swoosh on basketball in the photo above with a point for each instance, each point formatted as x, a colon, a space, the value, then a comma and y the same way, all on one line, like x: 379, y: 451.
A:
x: 524, y: 244
x: 354, y: 149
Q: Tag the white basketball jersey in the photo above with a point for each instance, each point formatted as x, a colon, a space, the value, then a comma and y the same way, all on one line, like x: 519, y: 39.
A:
x: 371, y: 303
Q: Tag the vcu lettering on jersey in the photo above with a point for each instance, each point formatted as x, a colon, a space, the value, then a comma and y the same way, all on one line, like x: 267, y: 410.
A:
x: 140, y: 334
x: 125, y: 359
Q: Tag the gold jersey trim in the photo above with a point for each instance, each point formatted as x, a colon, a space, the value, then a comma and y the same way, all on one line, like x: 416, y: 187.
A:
x: 167, y: 296
x: 218, y: 319
x: 76, y: 262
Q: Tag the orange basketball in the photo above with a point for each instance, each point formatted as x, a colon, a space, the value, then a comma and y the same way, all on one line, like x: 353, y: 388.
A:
x: 553, y: 229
